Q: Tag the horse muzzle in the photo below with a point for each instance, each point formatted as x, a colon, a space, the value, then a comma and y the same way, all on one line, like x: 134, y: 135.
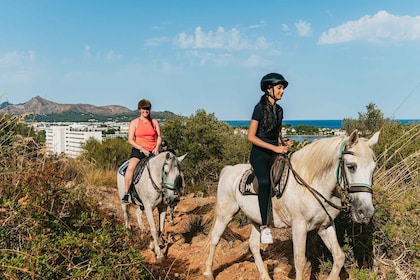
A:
x: 362, y: 211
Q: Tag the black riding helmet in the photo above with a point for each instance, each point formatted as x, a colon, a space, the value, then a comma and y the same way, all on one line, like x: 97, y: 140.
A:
x: 164, y: 143
x: 271, y: 80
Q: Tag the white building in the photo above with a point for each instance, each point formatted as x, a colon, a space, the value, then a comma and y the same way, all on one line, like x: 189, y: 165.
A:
x: 69, y: 139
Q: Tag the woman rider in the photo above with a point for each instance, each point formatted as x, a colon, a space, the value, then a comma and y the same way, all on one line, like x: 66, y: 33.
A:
x: 264, y: 133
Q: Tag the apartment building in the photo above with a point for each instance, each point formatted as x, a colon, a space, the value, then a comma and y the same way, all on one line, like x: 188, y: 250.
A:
x: 69, y: 139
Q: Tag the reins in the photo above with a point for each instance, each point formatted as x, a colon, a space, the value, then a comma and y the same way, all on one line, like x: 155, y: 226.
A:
x: 164, y: 184
x: 342, y: 183
x: 318, y: 196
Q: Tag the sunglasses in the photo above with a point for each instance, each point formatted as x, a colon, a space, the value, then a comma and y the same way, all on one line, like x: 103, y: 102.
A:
x: 146, y: 108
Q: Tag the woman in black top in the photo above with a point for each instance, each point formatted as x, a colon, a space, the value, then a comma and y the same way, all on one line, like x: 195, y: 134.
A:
x: 264, y: 133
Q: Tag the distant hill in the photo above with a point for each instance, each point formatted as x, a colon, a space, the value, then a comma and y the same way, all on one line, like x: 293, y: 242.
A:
x: 41, y: 110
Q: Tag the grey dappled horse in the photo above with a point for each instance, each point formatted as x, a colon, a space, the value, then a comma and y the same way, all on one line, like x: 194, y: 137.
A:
x: 310, y: 200
x: 158, y: 186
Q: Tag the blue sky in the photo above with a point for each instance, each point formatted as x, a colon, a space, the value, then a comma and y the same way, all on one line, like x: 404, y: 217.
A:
x: 338, y: 56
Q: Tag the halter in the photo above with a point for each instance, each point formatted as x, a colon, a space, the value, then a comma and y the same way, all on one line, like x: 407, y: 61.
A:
x: 164, y: 184
x: 340, y: 174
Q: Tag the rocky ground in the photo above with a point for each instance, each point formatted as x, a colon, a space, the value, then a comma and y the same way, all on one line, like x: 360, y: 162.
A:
x: 186, y: 246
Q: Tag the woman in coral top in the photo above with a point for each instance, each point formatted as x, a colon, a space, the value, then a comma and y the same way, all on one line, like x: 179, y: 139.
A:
x: 144, y: 136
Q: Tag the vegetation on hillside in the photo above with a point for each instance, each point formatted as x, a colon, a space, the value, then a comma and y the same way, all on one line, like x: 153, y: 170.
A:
x: 50, y: 229
x: 72, y: 116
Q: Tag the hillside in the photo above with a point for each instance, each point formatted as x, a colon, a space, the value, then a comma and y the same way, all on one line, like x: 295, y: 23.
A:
x: 42, y: 110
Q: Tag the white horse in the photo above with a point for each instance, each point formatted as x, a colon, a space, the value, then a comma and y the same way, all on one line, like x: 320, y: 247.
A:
x: 310, y: 201
x: 159, y: 184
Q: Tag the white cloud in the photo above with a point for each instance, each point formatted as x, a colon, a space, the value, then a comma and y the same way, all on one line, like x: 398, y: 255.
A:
x: 86, y: 51
x: 304, y: 28
x: 285, y: 27
x: 380, y: 27
x: 255, y: 61
x: 259, y: 25
x: 18, y: 67
x: 221, y: 39
x: 111, y: 56
x: 17, y: 59
x: 153, y: 42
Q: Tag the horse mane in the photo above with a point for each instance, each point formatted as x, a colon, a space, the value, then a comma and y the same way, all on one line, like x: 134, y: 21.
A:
x: 317, y: 157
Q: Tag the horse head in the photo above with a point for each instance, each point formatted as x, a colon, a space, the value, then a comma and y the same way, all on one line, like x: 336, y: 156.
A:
x: 172, y: 177
x: 355, y: 174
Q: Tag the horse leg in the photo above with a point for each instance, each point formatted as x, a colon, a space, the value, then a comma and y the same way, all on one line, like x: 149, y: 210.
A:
x: 254, y: 246
x: 125, y: 214
x: 224, y: 214
x: 162, y: 216
x: 153, y: 231
x: 172, y: 213
x: 299, y: 235
x: 329, y: 237
x: 139, y: 214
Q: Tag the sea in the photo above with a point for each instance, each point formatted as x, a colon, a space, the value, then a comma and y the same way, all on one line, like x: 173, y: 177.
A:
x: 332, y: 124
x: 329, y: 124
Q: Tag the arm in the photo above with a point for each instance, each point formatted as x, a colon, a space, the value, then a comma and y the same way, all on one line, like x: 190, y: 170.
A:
x: 158, y: 137
x: 252, y: 137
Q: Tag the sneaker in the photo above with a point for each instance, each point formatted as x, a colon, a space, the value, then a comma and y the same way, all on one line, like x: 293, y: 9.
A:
x: 266, y: 237
x: 125, y: 199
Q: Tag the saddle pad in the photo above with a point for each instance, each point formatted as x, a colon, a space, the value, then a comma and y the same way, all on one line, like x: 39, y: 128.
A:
x: 138, y: 171
x: 248, y: 184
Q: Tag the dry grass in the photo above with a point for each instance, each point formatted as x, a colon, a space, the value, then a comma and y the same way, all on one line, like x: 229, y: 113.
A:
x: 397, y: 195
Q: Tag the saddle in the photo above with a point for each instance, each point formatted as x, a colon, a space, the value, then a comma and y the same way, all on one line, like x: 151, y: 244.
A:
x: 279, y: 173
x: 138, y: 171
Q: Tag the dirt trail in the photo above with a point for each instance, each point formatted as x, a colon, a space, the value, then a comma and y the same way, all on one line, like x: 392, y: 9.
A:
x: 186, y: 248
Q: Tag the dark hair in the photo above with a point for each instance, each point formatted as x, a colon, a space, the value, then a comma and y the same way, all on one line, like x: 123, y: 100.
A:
x: 144, y: 103
x: 269, y: 120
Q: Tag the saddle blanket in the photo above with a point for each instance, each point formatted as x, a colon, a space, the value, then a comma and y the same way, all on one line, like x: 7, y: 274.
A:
x: 279, y: 175
x: 137, y: 172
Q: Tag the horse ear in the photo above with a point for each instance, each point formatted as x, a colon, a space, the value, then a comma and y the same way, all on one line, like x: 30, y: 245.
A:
x: 354, y: 137
x: 374, y: 139
x: 181, y: 158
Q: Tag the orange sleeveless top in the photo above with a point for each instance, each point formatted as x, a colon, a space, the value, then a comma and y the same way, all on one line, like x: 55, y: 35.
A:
x: 145, y: 135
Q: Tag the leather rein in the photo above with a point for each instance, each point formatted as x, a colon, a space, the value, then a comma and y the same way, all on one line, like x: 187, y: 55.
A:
x: 164, y: 184
x: 342, y: 183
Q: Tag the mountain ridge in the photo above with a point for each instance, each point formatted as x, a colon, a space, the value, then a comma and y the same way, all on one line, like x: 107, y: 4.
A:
x: 40, y: 106
x: 38, y: 109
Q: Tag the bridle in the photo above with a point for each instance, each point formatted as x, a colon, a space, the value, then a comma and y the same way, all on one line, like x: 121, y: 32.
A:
x: 342, y: 183
x: 341, y: 175
x: 164, y: 184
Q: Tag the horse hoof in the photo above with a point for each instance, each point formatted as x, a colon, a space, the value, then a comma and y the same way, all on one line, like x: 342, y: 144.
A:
x: 160, y: 258
x: 208, y: 276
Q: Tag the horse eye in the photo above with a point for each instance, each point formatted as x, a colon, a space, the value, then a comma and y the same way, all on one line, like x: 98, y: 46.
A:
x: 351, y: 167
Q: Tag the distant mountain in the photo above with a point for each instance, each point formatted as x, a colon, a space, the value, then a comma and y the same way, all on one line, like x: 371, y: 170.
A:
x: 41, y: 106
x: 40, y: 109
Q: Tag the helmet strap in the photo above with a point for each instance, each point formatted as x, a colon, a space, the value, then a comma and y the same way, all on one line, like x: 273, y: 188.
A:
x: 268, y: 94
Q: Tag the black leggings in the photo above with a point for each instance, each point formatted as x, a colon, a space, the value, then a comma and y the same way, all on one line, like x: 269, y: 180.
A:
x: 261, y: 160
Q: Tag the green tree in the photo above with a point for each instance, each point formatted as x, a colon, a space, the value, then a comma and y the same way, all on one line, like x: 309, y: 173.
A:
x: 371, y: 121
x: 210, y: 145
x: 109, y: 154
x: 349, y: 125
x: 306, y: 130
x: 368, y: 123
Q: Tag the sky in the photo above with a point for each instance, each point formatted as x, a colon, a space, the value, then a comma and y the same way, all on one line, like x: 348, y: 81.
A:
x: 185, y: 56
